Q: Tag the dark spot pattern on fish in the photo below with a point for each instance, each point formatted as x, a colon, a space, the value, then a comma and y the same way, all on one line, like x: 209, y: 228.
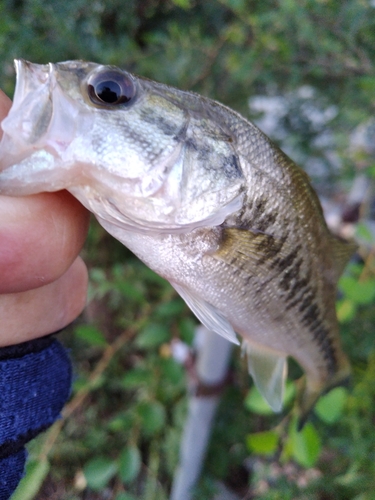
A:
x: 248, y: 279
x: 242, y: 220
x: 227, y: 164
x: 310, y: 315
x: 253, y: 214
x: 290, y: 276
x: 261, y: 286
x: 262, y: 218
x: 231, y: 167
x: 133, y: 135
x: 300, y: 289
x: 306, y: 301
x: 300, y: 294
x: 191, y: 143
x: 321, y: 336
x: 149, y: 115
x: 269, y: 247
x: 283, y: 263
x: 260, y: 207
x: 266, y: 221
x: 311, y: 319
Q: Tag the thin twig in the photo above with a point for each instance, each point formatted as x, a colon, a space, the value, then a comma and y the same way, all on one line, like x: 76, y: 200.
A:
x: 83, y: 393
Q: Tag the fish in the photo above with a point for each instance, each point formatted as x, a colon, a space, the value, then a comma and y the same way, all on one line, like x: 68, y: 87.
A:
x: 202, y: 196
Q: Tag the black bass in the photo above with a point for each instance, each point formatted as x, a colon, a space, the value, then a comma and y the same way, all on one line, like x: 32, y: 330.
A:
x: 199, y: 194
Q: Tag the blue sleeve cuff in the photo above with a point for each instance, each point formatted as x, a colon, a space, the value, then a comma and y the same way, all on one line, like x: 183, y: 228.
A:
x: 35, y: 381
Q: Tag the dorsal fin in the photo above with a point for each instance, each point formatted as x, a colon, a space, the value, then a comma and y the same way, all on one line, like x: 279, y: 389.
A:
x: 342, y: 252
x: 269, y: 372
x: 207, y: 314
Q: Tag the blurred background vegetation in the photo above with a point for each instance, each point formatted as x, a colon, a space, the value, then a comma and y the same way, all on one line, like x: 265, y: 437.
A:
x: 304, y: 70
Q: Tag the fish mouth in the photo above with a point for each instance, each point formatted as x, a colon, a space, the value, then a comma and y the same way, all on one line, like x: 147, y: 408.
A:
x: 31, y: 111
x: 30, y: 78
x: 40, y: 126
x: 41, y: 115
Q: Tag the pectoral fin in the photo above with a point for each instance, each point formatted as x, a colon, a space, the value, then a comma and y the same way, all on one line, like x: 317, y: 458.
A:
x: 269, y: 372
x: 207, y: 314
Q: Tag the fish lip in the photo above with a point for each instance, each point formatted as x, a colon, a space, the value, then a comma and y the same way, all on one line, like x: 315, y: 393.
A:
x: 32, y: 80
x: 37, y: 105
x: 28, y: 75
x: 21, y: 64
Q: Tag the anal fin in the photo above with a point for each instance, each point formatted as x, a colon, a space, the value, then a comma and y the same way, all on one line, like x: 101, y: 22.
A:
x: 269, y: 372
x: 207, y: 314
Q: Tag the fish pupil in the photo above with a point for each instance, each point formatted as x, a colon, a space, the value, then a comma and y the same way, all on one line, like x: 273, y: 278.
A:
x: 108, y: 91
x: 110, y: 87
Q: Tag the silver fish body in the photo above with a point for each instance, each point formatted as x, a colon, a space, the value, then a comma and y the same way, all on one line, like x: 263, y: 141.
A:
x: 202, y: 196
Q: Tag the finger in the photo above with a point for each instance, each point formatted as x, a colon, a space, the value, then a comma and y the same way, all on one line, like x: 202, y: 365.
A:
x: 5, y: 104
x: 40, y: 236
x: 44, y: 310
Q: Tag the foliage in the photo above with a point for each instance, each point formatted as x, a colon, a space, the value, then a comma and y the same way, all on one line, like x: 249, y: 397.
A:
x: 120, y: 433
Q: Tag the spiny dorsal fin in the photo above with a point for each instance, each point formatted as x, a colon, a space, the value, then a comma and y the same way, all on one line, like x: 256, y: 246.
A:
x: 269, y: 371
x: 342, y: 252
x: 207, y: 314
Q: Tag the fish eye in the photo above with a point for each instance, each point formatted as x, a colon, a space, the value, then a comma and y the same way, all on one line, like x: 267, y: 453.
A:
x: 111, y: 88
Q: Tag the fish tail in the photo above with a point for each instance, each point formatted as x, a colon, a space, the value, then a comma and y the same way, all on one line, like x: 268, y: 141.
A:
x: 313, y: 389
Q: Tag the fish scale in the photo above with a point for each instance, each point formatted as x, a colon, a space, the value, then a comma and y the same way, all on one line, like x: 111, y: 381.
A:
x: 202, y: 196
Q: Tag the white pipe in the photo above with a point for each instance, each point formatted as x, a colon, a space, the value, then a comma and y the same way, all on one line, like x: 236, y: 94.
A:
x: 211, y: 367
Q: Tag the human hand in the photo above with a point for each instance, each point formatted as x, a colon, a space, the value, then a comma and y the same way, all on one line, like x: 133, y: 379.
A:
x: 42, y: 281
x: 42, y: 288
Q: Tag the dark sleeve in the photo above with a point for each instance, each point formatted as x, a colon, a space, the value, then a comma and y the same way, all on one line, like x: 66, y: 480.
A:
x: 35, y: 381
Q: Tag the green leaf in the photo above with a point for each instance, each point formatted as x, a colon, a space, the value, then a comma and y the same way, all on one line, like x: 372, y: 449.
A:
x: 184, y: 4
x: 371, y: 170
x: 152, y: 336
x: 99, y: 471
x: 360, y: 292
x: 36, y: 472
x: 123, y: 421
x: 152, y: 415
x: 91, y: 335
x: 187, y: 329
x: 98, y: 275
x: 136, y: 377
x: 290, y: 392
x: 125, y: 496
x: 363, y: 232
x: 172, y: 371
x: 367, y: 83
x: 329, y: 407
x: 305, y: 446
x: 263, y: 443
x: 170, y: 309
x: 346, y: 310
x: 129, y: 464
x: 255, y: 402
x: 130, y: 292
